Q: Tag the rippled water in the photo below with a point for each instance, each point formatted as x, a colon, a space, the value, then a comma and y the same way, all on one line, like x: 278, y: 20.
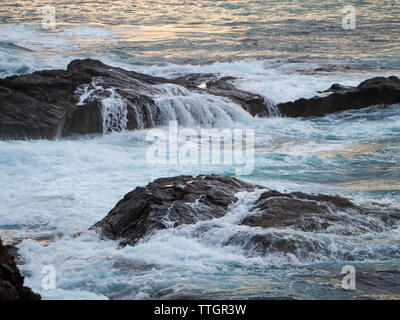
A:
x: 283, y: 50
x: 144, y: 31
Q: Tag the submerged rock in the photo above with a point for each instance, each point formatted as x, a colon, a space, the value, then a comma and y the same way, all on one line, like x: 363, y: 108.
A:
x: 92, y: 97
x: 11, y: 280
x: 375, y: 91
x: 287, y: 222
x: 275, y: 221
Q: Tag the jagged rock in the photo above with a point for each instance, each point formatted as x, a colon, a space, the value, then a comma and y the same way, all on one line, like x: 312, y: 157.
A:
x: 37, y: 105
x: 11, y: 280
x: 49, y: 103
x: 375, y: 91
x: 170, y: 202
x: 222, y: 86
x: 308, y: 214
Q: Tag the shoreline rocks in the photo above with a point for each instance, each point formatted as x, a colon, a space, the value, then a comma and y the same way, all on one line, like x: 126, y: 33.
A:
x: 375, y: 91
x: 51, y: 103
x: 11, y: 280
x: 185, y: 200
x: 170, y: 202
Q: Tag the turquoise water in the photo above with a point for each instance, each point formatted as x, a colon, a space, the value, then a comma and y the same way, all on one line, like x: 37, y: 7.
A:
x: 282, y: 50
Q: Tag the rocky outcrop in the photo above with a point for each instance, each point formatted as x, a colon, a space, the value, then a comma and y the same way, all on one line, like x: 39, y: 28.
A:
x: 305, y: 215
x: 375, y: 91
x: 11, y: 280
x: 37, y: 105
x: 92, y: 97
x: 171, y: 202
x: 222, y: 86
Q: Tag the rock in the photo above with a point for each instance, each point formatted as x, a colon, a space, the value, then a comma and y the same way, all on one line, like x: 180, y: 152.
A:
x: 305, y: 212
x: 170, y: 202
x: 308, y: 214
x: 276, y: 222
x: 375, y: 91
x: 11, y: 280
x: 222, y: 86
x: 37, y: 105
x: 92, y: 97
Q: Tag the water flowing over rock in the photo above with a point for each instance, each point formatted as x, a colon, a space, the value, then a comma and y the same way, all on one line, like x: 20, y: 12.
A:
x: 92, y: 97
x: 375, y: 91
x: 305, y: 215
x: 274, y: 222
x: 11, y: 280
x: 222, y: 86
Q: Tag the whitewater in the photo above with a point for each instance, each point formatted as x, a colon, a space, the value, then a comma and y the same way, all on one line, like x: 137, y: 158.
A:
x: 52, y: 191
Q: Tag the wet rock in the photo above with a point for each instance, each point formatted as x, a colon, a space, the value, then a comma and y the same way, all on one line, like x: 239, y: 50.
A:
x: 307, y: 212
x: 37, y: 105
x: 53, y: 103
x: 375, y: 91
x: 261, y: 242
x: 11, y: 280
x: 170, y: 202
x: 276, y: 222
x: 223, y: 86
x: 286, y: 223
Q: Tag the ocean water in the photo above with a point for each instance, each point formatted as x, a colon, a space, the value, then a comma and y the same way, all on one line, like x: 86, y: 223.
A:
x: 282, y: 50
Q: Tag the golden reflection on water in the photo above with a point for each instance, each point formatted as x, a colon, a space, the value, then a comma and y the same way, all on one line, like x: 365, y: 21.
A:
x: 376, y: 184
x: 351, y: 152
x: 229, y: 28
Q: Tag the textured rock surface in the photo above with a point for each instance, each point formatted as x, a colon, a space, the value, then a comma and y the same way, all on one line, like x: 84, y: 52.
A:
x: 171, y: 202
x: 222, y: 86
x: 306, y: 215
x: 37, y: 105
x: 375, y: 91
x: 11, y: 280
x: 48, y: 103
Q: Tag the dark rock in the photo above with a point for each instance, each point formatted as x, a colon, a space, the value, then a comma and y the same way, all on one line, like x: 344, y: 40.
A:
x: 305, y: 212
x: 309, y: 214
x: 11, y: 280
x: 222, y: 86
x: 375, y: 91
x: 170, y: 202
x: 46, y: 104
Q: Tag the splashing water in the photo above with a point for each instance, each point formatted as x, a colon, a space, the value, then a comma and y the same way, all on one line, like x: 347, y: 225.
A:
x: 170, y: 102
x: 51, y: 190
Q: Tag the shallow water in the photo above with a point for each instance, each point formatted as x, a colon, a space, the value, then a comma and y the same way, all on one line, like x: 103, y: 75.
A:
x: 51, y: 190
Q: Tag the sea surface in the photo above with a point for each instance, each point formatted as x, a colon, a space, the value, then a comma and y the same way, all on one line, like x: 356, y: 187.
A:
x: 282, y: 50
